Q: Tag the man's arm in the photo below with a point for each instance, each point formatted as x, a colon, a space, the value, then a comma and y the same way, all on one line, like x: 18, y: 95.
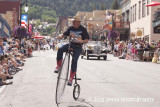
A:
x: 85, y: 37
x: 66, y: 33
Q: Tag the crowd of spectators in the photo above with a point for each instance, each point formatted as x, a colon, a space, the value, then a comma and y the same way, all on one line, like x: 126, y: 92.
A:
x: 136, y: 50
x: 13, y: 54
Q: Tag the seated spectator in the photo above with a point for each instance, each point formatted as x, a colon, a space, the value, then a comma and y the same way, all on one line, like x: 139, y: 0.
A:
x: 123, y: 56
x: 155, y: 58
x: 4, y: 76
x: 4, y: 62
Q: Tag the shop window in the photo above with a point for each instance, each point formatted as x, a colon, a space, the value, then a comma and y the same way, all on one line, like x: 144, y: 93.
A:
x: 147, y: 7
x: 139, y: 9
x: 131, y: 15
x: 146, y: 38
x: 135, y: 11
x: 143, y: 8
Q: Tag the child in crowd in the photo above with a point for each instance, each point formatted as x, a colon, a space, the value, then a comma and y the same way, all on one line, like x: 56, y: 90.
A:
x: 134, y: 53
x: 155, y: 58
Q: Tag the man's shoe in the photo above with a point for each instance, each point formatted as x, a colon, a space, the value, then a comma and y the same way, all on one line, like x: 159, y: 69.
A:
x: 70, y: 82
x: 57, y: 69
x: 58, y: 66
x: 72, y: 74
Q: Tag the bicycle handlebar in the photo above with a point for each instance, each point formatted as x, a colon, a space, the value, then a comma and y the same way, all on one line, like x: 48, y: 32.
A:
x: 77, y: 78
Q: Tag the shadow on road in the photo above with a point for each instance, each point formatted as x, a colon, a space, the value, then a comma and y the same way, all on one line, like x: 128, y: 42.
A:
x: 96, y: 59
x: 79, y: 103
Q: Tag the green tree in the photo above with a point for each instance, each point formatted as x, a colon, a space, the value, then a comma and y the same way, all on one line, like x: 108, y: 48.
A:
x: 48, y: 30
x: 93, y: 7
x: 103, y: 7
x: 115, y: 5
x: 67, y: 7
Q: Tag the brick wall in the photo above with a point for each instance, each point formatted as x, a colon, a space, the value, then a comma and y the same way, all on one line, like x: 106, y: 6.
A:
x: 8, y: 6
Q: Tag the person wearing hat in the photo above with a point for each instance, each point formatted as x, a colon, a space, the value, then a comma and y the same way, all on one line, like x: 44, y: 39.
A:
x: 80, y: 33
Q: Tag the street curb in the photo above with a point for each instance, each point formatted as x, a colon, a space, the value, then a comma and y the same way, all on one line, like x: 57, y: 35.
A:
x: 2, y: 88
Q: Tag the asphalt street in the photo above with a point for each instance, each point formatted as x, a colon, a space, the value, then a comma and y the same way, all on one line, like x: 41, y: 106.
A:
x: 112, y: 83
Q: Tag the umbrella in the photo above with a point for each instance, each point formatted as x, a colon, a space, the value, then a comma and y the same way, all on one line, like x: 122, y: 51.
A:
x: 38, y: 37
x: 154, y: 3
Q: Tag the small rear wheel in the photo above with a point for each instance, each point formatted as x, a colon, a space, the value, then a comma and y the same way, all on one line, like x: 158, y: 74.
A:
x: 99, y: 58
x: 105, y: 57
x: 82, y: 57
x: 76, y: 91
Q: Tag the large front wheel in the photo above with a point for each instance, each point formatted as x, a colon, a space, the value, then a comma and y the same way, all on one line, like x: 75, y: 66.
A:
x: 76, y: 91
x: 62, y: 79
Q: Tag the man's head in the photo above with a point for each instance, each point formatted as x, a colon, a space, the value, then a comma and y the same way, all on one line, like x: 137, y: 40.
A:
x: 76, y: 22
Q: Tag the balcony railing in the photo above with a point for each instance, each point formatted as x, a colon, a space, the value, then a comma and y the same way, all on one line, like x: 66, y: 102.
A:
x: 121, y: 24
x: 5, y: 29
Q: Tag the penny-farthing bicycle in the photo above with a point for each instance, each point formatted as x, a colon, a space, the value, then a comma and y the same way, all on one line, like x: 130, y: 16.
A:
x: 63, y: 78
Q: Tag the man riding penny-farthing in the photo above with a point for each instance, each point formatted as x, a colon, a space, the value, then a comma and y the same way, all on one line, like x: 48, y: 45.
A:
x: 78, y: 36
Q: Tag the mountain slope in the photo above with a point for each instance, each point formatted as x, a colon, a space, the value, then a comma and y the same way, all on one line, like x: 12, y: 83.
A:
x: 70, y: 7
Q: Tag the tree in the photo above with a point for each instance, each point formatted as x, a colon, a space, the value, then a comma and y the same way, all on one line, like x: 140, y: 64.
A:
x: 94, y: 7
x: 66, y: 7
x: 103, y: 7
x: 115, y: 5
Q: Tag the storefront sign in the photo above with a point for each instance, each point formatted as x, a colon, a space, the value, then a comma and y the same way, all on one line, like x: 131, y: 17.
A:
x: 139, y: 33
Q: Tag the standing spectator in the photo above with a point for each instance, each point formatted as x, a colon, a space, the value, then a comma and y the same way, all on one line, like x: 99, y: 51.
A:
x: 134, y: 53
x: 115, y: 50
x: 120, y: 48
x: 146, y: 51
x: 141, y: 51
x: 51, y: 44
x: 137, y: 45
x: 129, y: 47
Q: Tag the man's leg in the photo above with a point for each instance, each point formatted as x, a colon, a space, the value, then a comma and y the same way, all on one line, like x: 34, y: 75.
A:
x: 76, y: 54
x: 60, y: 56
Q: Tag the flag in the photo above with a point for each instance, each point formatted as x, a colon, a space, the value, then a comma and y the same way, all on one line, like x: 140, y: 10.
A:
x: 30, y: 28
x: 24, y: 21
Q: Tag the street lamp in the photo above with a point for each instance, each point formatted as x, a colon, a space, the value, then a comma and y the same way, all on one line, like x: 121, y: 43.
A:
x: 25, y: 8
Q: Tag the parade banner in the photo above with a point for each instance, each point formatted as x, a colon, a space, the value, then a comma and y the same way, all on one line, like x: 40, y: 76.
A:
x: 24, y: 20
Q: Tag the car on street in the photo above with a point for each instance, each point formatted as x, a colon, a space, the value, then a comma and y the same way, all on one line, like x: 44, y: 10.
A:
x: 94, y: 49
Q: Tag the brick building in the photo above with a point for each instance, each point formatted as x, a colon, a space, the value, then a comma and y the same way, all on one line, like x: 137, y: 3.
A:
x: 9, y: 10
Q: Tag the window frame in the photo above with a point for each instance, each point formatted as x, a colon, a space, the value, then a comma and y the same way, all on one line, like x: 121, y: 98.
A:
x: 143, y: 8
x: 135, y: 12
x: 139, y: 9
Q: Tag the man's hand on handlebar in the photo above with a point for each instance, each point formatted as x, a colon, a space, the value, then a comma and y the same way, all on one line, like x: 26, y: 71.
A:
x: 80, y: 41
